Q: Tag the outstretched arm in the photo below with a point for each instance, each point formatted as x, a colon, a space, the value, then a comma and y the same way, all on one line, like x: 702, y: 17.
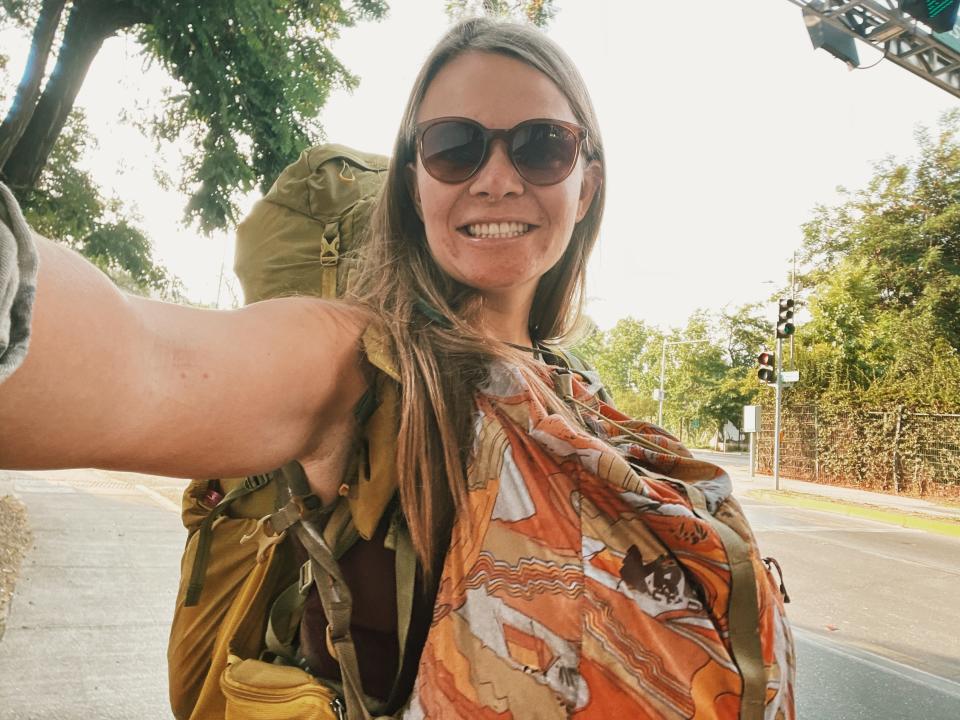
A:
x: 116, y: 381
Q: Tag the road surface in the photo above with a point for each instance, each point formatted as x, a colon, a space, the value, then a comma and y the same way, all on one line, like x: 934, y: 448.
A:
x: 874, y: 607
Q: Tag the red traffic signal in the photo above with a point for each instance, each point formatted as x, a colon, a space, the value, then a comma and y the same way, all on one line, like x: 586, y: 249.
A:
x: 767, y: 372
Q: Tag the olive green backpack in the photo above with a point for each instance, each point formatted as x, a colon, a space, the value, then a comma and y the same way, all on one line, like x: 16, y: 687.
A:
x: 294, y: 240
x: 242, y: 592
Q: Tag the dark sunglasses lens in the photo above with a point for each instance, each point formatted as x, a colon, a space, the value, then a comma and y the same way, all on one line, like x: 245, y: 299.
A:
x: 544, y: 153
x: 452, y: 150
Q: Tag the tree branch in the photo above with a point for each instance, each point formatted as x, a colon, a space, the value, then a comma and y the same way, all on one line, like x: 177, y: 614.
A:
x: 25, y: 100
x: 90, y: 23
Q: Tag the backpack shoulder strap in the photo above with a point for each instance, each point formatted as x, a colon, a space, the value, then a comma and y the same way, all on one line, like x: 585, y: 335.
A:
x: 378, y: 413
x: 580, y: 366
x: 337, y: 602
x: 744, y: 610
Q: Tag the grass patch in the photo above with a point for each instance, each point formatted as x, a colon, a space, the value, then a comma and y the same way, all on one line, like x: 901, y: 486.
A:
x: 927, y: 523
x: 14, y: 539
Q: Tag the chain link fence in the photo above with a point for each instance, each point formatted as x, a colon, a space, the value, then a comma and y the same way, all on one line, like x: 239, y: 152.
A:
x: 888, y: 450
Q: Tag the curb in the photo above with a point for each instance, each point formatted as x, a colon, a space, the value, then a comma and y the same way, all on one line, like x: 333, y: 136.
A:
x: 808, y: 501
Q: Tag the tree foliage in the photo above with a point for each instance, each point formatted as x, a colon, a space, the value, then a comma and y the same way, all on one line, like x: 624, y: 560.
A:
x: 17, y: 12
x: 883, y: 282
x: 254, y: 73
x: 706, y: 383
x: 67, y: 204
x: 537, y: 12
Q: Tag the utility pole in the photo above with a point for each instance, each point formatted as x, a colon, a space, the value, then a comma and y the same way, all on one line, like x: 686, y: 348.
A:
x: 663, y: 365
x: 793, y: 294
x: 785, y: 329
x: 776, y: 415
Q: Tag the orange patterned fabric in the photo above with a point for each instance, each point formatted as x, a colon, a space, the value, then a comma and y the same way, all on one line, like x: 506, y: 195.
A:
x: 576, y: 586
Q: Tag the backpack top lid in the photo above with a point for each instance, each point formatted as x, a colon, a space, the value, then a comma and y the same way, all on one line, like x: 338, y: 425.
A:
x: 294, y: 239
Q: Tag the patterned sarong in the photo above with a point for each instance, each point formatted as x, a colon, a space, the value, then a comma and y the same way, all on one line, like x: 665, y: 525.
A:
x: 577, y: 586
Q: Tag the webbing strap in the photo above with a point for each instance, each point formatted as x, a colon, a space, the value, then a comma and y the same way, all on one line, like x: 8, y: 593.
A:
x: 743, y: 611
x: 295, y: 500
x: 337, y: 607
x: 581, y: 367
x: 205, y: 536
x: 329, y: 259
x: 296, y: 479
x: 365, y: 405
x: 340, y: 533
x: 406, y: 571
x: 284, y: 621
x: 328, y: 281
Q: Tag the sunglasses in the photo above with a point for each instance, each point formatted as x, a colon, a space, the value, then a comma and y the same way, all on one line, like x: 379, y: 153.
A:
x: 544, y: 152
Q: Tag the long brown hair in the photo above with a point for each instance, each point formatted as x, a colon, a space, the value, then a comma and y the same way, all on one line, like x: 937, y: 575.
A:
x: 433, y: 320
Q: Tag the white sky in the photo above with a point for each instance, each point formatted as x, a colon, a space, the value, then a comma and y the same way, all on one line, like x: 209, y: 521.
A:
x: 722, y: 132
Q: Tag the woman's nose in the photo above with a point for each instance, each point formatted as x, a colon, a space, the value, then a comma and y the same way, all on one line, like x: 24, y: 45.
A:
x: 498, y: 177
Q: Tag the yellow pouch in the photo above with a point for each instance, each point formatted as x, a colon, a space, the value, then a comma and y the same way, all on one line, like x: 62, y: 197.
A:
x: 256, y: 690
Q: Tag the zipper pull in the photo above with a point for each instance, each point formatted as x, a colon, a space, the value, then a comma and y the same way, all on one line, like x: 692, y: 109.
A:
x: 768, y: 561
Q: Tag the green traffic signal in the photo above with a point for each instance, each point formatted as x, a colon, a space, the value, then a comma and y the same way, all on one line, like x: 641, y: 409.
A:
x: 785, y: 326
x: 940, y: 15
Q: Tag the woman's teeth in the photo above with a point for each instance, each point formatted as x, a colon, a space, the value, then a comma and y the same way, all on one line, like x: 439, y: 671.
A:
x: 497, y: 230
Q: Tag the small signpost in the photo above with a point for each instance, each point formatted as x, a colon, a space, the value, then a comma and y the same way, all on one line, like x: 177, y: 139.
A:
x: 751, y: 424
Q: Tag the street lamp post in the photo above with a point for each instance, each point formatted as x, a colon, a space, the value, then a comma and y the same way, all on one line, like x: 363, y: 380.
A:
x: 663, y: 364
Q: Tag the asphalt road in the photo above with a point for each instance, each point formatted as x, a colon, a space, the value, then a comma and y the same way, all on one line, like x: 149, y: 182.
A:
x: 875, y: 612
x: 735, y: 460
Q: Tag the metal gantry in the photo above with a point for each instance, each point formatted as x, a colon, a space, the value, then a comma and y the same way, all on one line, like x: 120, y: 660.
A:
x: 880, y: 23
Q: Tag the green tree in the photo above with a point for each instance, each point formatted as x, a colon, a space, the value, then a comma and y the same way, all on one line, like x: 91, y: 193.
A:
x: 623, y: 358
x: 706, y: 383
x: 693, y: 371
x: 742, y: 333
x: 66, y: 204
x: 883, y: 281
x: 538, y: 12
x: 255, y: 74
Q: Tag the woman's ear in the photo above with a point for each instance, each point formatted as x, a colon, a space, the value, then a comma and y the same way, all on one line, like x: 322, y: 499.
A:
x: 410, y: 175
x: 592, y: 180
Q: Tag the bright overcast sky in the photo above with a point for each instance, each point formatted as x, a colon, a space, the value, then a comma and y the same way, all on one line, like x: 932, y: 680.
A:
x: 721, y: 134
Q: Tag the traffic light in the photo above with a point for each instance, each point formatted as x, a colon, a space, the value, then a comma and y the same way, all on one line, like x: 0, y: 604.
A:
x: 768, y: 371
x: 785, y: 326
x: 940, y: 15
x: 834, y: 41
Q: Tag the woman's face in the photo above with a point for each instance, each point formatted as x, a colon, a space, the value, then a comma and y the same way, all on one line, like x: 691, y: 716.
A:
x: 498, y: 92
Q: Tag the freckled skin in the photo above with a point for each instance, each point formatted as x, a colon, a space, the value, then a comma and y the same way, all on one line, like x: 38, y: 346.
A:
x: 499, y: 92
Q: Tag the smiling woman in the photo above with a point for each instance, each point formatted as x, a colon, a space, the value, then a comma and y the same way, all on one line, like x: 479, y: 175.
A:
x: 572, y: 562
x: 509, y: 181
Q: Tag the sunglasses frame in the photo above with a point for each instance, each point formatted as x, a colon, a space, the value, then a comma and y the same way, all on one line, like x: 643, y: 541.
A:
x: 489, y: 135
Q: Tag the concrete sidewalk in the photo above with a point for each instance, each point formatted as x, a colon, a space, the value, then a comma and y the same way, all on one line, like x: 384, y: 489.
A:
x: 743, y: 483
x: 87, y: 631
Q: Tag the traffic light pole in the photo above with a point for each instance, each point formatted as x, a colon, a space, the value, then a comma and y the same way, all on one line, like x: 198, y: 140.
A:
x: 663, y: 365
x: 776, y: 415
